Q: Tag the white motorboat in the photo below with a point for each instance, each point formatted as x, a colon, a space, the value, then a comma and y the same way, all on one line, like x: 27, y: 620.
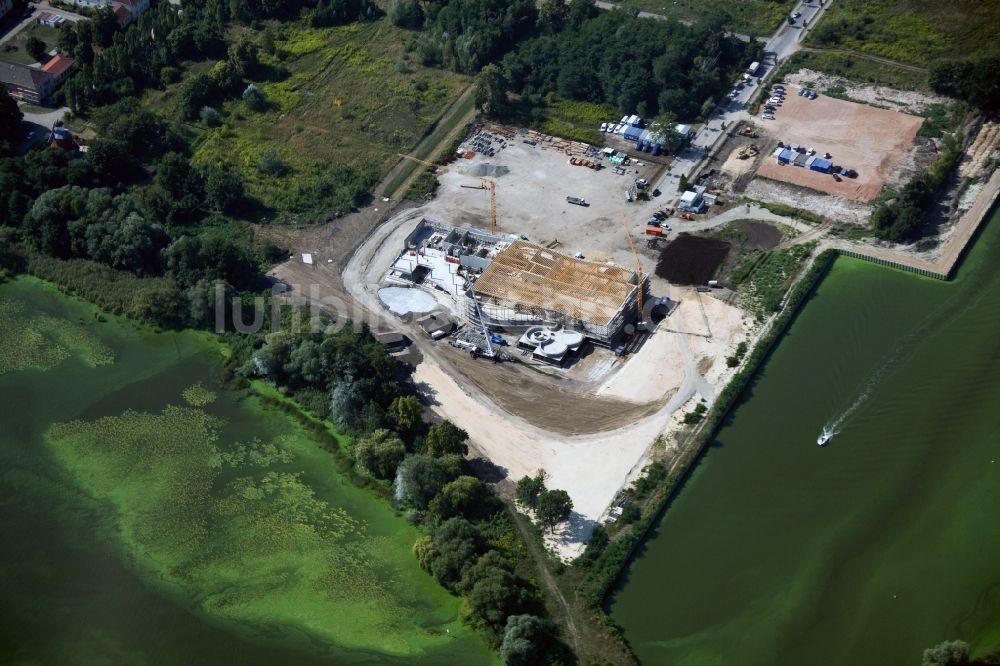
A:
x: 823, y: 438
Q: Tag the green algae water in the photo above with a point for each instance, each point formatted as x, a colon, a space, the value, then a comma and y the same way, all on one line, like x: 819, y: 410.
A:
x: 148, y: 516
x: 868, y: 550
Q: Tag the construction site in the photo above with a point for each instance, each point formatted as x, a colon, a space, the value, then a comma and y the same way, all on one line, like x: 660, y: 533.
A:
x: 529, y: 284
x: 570, y: 306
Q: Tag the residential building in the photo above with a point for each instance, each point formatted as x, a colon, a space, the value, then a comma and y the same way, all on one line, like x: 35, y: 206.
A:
x: 127, y: 11
x: 59, y: 68
x: 26, y: 83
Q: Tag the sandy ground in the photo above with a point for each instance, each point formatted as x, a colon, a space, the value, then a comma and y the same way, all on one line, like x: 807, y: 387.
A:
x: 982, y: 149
x: 531, y: 200
x: 736, y: 167
x: 869, y: 140
x: 524, y: 420
x: 832, y: 208
x: 701, y: 327
x: 908, y: 101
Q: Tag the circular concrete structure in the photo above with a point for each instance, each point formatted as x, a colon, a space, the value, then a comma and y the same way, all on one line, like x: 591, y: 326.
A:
x: 401, y: 300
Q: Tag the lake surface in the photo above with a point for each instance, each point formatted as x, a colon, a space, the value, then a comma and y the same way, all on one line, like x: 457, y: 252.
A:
x: 866, y: 551
x: 148, y: 516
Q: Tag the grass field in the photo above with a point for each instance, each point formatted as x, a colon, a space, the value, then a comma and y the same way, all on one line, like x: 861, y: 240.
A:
x: 18, y: 54
x: 352, y: 97
x: 912, y: 31
x: 579, y: 121
x: 857, y: 68
x: 748, y: 17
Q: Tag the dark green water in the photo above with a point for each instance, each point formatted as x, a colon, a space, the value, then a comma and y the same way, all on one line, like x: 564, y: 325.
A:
x: 72, y: 589
x: 867, y: 551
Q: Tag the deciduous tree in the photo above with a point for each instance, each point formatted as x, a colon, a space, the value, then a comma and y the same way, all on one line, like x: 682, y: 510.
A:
x: 466, y: 496
x: 446, y: 438
x: 380, y: 453
x: 554, y: 507
x: 521, y: 638
x: 529, y: 488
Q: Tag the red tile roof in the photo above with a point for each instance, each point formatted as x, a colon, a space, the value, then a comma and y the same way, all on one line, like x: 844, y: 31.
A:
x: 123, y: 14
x: 57, y: 66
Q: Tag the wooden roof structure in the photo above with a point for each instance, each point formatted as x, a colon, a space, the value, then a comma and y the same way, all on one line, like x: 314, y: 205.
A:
x: 532, y: 276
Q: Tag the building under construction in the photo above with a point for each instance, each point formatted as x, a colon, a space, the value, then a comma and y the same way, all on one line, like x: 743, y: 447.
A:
x: 529, y: 285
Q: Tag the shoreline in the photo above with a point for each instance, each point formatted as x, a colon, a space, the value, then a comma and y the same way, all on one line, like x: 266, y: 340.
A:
x: 943, y: 267
x: 729, y: 398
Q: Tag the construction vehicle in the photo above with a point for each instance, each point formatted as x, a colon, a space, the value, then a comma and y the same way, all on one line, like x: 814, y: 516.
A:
x: 748, y: 151
x: 429, y: 165
x: 638, y: 269
x: 749, y: 131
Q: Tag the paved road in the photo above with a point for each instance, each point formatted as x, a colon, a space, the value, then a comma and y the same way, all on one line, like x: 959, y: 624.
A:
x: 781, y: 45
x: 43, y: 6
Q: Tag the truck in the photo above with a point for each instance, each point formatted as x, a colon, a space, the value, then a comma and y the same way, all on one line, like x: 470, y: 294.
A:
x: 577, y: 201
x: 752, y: 69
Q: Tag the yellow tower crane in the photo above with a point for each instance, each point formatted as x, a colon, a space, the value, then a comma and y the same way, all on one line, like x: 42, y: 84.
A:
x: 429, y: 165
x: 493, y: 205
x: 491, y: 185
x: 638, y: 266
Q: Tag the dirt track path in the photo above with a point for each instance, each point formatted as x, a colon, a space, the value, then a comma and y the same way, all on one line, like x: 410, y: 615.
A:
x: 867, y: 56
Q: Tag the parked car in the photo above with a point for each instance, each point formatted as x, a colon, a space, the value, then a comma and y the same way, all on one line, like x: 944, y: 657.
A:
x: 802, y: 91
x: 604, y: 127
x: 733, y: 94
x: 796, y: 14
x: 813, y: 95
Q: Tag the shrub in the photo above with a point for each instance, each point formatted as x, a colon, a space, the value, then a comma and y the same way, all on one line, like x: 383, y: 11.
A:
x: 380, y: 453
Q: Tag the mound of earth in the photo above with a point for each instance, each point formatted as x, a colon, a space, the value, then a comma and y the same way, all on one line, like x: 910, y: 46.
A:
x: 691, y: 260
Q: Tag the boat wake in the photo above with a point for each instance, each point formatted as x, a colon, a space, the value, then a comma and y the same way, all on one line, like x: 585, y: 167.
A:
x: 834, y: 425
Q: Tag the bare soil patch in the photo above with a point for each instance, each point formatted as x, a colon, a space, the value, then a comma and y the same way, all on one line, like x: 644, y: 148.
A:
x: 759, y: 235
x: 542, y: 402
x: 869, y: 140
x: 910, y: 101
x: 691, y: 260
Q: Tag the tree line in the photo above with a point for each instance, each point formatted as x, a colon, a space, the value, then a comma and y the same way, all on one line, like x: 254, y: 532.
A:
x: 470, y: 545
x: 900, y: 217
x: 639, y: 65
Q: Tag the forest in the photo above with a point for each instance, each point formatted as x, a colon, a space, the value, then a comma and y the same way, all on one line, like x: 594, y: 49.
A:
x: 637, y: 65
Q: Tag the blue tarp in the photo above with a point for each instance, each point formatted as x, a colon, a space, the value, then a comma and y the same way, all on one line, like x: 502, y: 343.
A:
x: 785, y: 156
x: 823, y: 166
x: 633, y: 133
